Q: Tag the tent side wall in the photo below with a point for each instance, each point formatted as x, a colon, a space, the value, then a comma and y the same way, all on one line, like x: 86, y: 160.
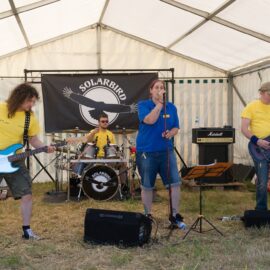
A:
x: 79, y: 51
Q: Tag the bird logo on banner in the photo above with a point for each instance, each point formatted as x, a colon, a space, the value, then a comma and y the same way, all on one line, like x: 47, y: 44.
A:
x: 89, y: 102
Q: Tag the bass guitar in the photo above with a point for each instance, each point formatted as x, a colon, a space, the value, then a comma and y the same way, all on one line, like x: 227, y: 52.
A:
x: 7, y: 156
x: 258, y: 152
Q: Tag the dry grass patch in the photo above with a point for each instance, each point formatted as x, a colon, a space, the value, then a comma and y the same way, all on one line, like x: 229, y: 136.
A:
x: 61, y: 224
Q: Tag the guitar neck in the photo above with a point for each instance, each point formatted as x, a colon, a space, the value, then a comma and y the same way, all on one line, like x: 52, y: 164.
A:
x: 27, y: 154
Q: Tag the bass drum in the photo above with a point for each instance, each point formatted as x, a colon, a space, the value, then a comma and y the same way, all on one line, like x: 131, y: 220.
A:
x: 100, y: 182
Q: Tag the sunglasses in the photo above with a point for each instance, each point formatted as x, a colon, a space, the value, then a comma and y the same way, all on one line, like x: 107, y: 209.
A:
x: 104, y: 121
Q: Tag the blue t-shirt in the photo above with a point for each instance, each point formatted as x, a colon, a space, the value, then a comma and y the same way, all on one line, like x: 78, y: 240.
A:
x: 149, y: 137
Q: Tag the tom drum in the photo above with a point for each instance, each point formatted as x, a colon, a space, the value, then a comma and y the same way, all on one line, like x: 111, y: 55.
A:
x: 111, y: 151
x: 90, y: 151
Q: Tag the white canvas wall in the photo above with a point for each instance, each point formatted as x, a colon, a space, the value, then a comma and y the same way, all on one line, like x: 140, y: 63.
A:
x: 79, y: 51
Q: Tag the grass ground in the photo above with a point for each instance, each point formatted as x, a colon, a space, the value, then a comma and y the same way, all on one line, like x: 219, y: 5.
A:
x: 61, y: 224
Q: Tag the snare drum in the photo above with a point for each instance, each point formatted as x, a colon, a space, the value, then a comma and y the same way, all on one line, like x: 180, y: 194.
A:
x: 90, y: 151
x: 111, y: 151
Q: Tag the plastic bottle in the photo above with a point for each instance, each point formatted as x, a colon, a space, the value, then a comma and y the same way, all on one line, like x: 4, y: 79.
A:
x: 181, y: 225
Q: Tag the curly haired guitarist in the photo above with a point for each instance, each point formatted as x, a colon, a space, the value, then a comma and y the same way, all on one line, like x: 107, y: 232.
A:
x: 256, y: 127
x: 13, y: 132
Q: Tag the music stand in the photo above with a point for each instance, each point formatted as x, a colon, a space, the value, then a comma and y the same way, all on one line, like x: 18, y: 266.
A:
x: 197, y: 172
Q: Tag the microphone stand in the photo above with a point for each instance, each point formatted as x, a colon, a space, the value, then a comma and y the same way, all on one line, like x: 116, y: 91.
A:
x: 167, y: 161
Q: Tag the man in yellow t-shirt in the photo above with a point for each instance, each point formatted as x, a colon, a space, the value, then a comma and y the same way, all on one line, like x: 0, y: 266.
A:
x: 12, y: 122
x: 255, y: 126
x: 101, y: 136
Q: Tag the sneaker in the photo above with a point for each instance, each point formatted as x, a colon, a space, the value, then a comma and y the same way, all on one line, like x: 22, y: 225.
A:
x: 177, y: 222
x: 29, y: 235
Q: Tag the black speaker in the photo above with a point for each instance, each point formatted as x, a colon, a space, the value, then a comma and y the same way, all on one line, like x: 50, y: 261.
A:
x: 116, y: 227
x: 256, y: 218
x: 209, y: 153
x: 242, y: 172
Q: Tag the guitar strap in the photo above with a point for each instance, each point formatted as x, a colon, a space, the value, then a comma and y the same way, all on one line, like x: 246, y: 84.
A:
x: 25, y: 132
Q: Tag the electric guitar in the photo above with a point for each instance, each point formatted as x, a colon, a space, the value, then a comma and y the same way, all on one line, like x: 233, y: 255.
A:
x: 7, y: 156
x: 258, y: 152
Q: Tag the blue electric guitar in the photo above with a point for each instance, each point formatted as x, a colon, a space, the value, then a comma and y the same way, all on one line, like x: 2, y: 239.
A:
x: 258, y: 152
x: 7, y: 156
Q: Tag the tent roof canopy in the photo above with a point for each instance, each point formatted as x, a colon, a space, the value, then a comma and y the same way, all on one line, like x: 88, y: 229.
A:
x: 226, y: 34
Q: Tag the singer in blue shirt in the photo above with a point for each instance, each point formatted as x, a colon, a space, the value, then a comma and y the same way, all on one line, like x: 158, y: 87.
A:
x: 158, y: 124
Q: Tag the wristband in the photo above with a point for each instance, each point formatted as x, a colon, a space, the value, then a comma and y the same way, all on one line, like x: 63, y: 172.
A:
x: 254, y: 139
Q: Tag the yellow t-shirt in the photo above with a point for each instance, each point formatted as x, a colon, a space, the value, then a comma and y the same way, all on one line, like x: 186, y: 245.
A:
x: 102, y: 139
x: 11, y: 129
x: 259, y: 114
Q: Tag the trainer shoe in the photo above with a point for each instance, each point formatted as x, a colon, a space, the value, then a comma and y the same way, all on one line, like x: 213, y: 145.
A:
x: 29, y: 235
x: 177, y: 222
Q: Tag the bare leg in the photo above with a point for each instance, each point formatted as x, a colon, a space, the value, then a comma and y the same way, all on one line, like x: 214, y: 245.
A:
x: 26, y: 209
x: 175, y: 199
x: 147, y: 198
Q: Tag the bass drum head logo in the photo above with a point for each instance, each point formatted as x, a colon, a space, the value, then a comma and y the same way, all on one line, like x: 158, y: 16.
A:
x: 99, y: 94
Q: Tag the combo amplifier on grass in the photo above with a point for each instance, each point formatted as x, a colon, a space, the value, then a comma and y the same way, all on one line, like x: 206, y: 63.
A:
x: 116, y: 227
x: 256, y: 218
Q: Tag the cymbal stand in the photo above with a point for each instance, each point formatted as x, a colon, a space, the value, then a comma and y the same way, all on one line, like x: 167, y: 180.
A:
x: 80, y: 191
x: 133, y: 173
x: 68, y: 174
x: 125, y: 171
x: 59, y: 165
x: 132, y: 163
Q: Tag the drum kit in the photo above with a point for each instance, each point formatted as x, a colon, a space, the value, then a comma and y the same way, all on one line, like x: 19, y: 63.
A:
x: 98, y: 178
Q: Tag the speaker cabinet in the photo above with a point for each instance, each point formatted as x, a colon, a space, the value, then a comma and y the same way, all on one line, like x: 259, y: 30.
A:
x: 116, y: 227
x: 209, y: 153
x: 256, y: 218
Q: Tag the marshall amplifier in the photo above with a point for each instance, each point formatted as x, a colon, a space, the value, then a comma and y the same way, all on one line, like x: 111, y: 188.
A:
x: 224, y: 135
x: 213, y: 146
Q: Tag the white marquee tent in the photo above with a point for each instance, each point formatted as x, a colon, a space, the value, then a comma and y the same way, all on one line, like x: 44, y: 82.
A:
x: 219, y: 49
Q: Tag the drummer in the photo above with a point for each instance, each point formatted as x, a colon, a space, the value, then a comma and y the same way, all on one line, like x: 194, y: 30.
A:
x: 101, y: 136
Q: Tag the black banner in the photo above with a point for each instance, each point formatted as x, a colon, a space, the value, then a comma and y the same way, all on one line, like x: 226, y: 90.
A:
x: 76, y: 101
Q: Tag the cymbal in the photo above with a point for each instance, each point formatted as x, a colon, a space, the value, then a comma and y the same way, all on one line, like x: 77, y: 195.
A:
x: 125, y: 131
x: 75, y: 130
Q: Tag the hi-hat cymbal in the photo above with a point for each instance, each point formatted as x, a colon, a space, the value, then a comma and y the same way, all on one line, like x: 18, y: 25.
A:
x: 75, y: 130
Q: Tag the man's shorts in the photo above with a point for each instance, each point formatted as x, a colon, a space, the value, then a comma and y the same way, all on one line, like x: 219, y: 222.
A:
x: 19, y: 182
